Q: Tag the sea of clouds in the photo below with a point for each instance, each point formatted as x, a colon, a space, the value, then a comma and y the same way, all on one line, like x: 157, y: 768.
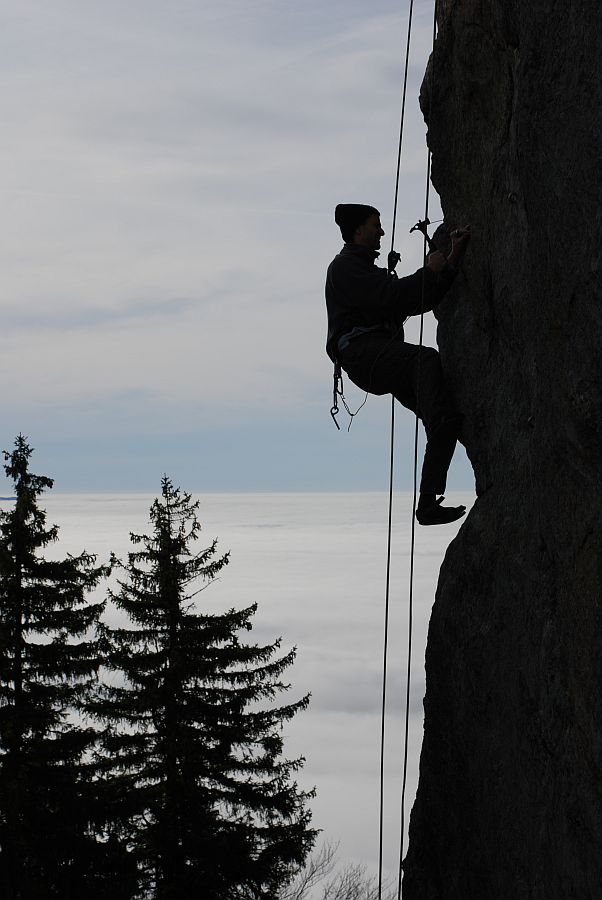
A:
x: 315, y: 565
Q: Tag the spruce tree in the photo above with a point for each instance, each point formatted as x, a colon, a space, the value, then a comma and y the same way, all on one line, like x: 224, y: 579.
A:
x: 48, y: 662
x: 194, y: 743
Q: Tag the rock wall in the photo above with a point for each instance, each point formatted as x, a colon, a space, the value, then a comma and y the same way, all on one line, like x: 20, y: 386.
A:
x: 509, y: 804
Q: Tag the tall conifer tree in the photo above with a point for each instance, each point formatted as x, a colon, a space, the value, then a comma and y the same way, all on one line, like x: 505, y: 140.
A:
x: 194, y: 744
x: 48, y: 662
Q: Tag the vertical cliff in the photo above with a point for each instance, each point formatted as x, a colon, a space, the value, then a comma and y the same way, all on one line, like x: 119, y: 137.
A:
x: 509, y: 804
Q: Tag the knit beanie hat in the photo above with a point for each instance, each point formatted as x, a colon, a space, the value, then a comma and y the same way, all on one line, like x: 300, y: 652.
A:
x: 349, y: 217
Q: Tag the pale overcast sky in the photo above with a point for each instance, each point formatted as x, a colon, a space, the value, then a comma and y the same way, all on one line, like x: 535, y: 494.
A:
x: 168, y: 177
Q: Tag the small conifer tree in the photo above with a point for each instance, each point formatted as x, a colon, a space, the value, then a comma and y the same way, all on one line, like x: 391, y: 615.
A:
x: 194, y: 743
x: 48, y: 662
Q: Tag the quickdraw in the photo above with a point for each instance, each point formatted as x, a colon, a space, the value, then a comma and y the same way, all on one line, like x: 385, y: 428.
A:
x: 337, y: 391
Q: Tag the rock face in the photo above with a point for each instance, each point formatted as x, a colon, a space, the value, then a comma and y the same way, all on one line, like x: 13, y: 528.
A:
x: 509, y: 804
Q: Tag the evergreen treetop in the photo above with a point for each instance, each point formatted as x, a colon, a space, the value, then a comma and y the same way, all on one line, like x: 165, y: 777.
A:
x: 49, y: 662
x: 193, y: 752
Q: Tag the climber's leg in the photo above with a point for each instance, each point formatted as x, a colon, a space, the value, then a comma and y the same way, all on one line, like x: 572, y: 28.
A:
x: 380, y: 365
x: 429, y: 397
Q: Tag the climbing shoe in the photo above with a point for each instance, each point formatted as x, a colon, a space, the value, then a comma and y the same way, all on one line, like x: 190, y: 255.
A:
x: 435, y: 514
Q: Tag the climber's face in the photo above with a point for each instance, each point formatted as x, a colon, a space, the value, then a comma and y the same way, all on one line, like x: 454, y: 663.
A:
x: 370, y: 233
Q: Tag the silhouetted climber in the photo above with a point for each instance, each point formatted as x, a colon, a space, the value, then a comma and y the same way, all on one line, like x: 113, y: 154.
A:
x: 367, y: 307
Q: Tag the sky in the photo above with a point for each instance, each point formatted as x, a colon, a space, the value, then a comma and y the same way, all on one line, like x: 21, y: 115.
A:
x: 168, y: 175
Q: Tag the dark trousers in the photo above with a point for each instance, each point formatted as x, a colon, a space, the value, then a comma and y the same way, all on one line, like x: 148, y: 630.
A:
x: 381, y: 365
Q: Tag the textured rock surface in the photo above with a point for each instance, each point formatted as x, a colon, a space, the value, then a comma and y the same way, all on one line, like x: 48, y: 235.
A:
x: 509, y: 804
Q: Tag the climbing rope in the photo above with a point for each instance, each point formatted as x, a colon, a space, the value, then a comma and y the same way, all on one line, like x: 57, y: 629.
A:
x: 412, y: 549
x: 391, y: 473
x: 426, y: 247
x: 390, y: 508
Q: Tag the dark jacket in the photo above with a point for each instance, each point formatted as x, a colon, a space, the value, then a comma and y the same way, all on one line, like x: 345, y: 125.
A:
x: 360, y: 294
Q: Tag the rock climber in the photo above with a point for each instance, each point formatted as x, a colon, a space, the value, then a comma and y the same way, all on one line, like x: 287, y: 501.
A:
x: 367, y: 306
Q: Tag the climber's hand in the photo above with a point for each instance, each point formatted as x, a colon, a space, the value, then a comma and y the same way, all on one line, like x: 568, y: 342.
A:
x: 436, y: 261
x: 460, y: 235
x: 459, y: 240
